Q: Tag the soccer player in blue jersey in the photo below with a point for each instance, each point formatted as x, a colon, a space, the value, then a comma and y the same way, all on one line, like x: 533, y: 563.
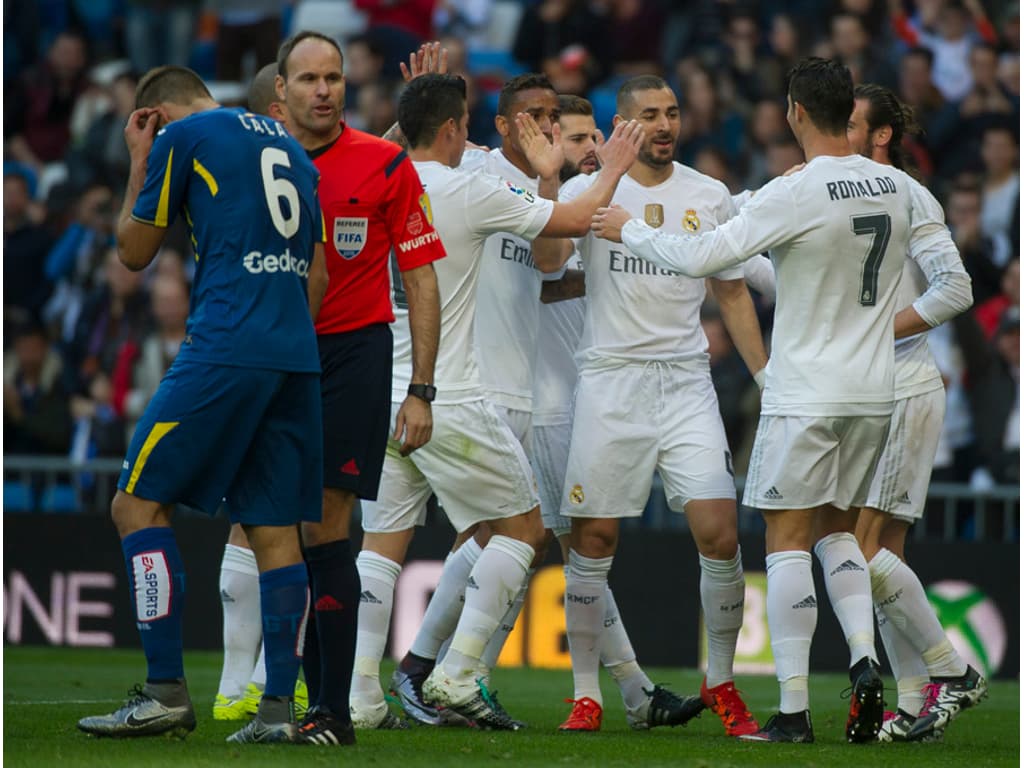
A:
x: 237, y: 417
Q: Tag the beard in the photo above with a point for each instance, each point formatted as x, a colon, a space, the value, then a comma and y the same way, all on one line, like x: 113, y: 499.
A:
x: 648, y: 158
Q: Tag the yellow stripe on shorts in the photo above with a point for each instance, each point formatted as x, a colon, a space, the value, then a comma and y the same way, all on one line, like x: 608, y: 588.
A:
x: 156, y: 434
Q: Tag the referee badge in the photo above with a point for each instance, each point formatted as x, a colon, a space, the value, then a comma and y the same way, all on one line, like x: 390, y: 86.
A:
x: 576, y: 494
x: 349, y: 236
x: 654, y: 214
x: 690, y: 221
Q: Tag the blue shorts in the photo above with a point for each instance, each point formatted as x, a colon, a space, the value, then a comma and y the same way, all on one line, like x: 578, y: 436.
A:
x: 249, y: 437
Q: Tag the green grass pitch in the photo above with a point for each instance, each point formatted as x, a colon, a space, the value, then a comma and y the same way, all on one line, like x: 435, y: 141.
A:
x: 46, y: 690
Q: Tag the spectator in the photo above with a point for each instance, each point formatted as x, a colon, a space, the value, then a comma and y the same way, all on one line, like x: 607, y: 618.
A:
x: 113, y: 322
x: 375, y: 108
x: 1008, y: 72
x: 783, y: 154
x: 963, y: 216
x: 36, y: 417
x: 102, y: 155
x: 38, y: 105
x: 465, y: 20
x: 246, y: 28
x: 159, y: 32
x: 170, y: 305
x: 26, y: 243
x: 987, y: 96
x: 364, y: 64
x: 767, y: 124
x: 957, y: 27
x: 400, y: 26
x: 568, y: 42
x: 990, y: 313
x: 77, y: 256
x: 851, y: 44
x: 937, y: 119
x: 753, y: 74
x: 711, y: 161
x: 705, y: 121
x: 1000, y: 199
x: 635, y: 51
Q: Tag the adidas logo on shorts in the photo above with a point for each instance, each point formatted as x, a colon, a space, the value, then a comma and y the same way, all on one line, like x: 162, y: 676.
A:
x: 904, y: 499
x: 773, y: 494
x: 471, y: 584
x: 368, y: 597
x: 807, y: 602
x: 848, y: 565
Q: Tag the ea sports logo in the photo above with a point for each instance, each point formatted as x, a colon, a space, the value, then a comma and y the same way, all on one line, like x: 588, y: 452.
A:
x: 973, y: 623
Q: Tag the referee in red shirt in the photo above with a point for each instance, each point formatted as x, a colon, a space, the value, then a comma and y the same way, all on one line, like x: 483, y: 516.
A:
x: 370, y: 195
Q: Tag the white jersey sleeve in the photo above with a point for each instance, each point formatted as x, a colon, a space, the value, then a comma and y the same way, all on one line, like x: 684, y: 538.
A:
x: 933, y: 250
x: 768, y: 220
x: 494, y: 204
x: 760, y: 275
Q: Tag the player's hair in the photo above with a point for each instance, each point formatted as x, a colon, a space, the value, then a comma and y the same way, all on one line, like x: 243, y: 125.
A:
x: 169, y: 84
x: 517, y: 84
x: 289, y: 45
x: 568, y: 104
x: 261, y: 90
x: 824, y: 88
x: 427, y: 103
x: 885, y: 109
x: 634, y: 85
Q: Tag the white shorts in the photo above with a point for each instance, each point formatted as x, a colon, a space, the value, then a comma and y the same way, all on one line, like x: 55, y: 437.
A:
x: 801, y: 462
x: 550, y: 457
x: 473, y: 463
x: 520, y: 422
x: 900, y: 484
x: 633, y: 419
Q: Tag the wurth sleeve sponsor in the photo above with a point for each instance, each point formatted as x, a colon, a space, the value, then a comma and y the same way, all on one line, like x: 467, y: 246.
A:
x: 409, y: 220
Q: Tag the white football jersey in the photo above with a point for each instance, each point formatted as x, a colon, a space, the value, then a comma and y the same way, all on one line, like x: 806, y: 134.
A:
x: 936, y: 283
x: 554, y: 373
x: 464, y: 208
x: 508, y: 306
x: 838, y: 232
x: 635, y: 310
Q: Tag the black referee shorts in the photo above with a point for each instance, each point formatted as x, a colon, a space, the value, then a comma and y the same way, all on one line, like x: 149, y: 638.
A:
x: 355, y: 387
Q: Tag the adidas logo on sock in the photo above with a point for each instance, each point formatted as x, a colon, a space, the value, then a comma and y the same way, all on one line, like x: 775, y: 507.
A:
x: 904, y: 499
x: 471, y: 584
x: 225, y: 597
x: 807, y: 602
x: 773, y: 494
x: 848, y: 565
x: 328, y: 603
x: 369, y: 597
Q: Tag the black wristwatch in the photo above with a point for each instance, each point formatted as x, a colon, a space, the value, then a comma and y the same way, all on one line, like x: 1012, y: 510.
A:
x: 425, y: 392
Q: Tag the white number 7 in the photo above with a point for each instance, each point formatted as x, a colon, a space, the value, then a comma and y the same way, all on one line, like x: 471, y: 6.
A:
x: 277, y: 189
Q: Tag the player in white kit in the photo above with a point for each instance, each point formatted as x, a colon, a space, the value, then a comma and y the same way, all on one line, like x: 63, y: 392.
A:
x: 645, y: 401
x: 937, y: 289
x: 473, y: 462
x: 838, y: 232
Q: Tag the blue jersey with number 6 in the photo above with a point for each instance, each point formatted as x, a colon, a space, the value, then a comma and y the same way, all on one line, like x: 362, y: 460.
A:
x: 248, y: 194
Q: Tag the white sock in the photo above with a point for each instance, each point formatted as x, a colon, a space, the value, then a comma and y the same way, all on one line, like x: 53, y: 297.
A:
x: 243, y: 624
x: 907, y: 667
x: 377, y: 575
x: 721, y: 597
x: 492, y: 586
x: 849, y: 591
x: 259, y: 672
x: 792, y: 616
x: 508, y: 622
x: 899, y: 593
x: 586, y: 591
x: 445, y: 606
x: 619, y: 658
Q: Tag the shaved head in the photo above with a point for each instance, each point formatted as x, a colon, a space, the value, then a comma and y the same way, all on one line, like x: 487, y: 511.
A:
x: 262, y: 92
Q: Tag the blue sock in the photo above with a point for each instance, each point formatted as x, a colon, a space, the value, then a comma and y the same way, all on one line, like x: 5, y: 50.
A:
x: 284, y: 600
x: 156, y: 578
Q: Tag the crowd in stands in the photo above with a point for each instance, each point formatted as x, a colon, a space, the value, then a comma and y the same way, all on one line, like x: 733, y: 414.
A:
x: 86, y: 340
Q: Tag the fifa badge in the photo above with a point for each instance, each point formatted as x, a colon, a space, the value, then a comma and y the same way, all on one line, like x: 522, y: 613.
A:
x: 576, y: 494
x: 690, y: 221
x: 654, y: 216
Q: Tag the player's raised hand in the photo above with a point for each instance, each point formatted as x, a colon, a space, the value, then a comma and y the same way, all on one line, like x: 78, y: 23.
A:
x: 619, y: 153
x: 607, y: 223
x: 414, y: 424
x: 140, y: 131
x: 545, y: 156
x: 431, y: 58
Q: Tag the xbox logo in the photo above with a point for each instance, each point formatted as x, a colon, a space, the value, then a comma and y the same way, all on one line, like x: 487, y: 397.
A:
x: 973, y: 623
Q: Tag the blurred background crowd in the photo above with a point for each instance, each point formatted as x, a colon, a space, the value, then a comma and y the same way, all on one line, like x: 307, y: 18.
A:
x: 86, y: 341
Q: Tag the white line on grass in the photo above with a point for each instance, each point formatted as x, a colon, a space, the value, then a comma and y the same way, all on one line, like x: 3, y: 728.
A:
x: 13, y: 702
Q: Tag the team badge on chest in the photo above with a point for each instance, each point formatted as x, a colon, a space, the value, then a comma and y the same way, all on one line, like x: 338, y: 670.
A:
x: 349, y: 236
x: 690, y: 221
x: 654, y: 214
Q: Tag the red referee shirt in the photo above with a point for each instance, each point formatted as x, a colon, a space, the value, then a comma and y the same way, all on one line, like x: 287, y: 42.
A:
x: 370, y: 194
